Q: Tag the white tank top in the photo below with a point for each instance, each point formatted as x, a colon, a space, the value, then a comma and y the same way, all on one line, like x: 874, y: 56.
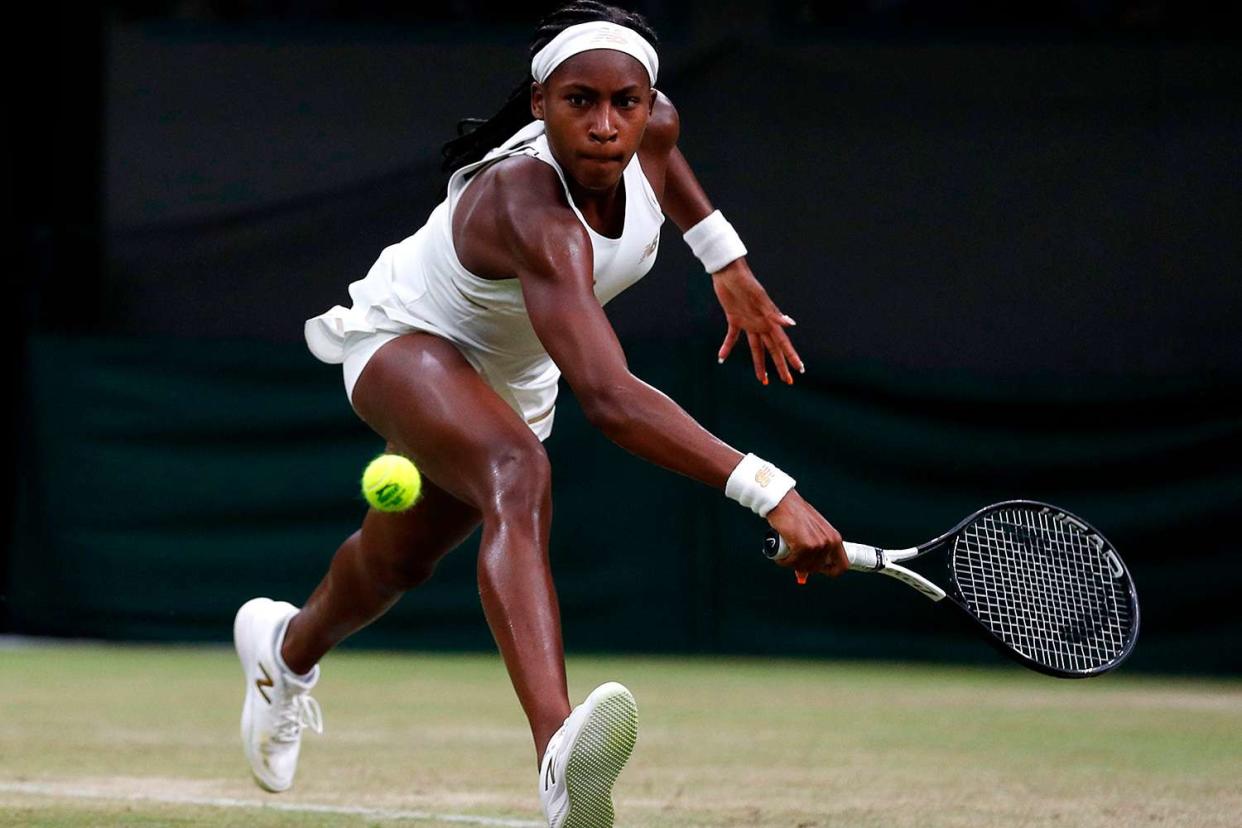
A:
x: 420, y: 283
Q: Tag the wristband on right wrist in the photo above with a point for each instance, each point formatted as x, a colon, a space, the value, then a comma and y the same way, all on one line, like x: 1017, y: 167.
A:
x: 758, y: 485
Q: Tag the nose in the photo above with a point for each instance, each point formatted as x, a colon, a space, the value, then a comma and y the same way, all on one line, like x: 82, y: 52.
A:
x: 604, y: 125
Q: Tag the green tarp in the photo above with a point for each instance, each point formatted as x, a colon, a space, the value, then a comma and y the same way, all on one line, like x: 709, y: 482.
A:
x: 164, y: 482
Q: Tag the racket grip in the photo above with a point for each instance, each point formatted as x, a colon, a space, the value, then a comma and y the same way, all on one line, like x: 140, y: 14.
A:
x: 862, y: 557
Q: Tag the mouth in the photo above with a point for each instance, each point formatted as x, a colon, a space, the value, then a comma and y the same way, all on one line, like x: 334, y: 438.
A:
x: 604, y: 159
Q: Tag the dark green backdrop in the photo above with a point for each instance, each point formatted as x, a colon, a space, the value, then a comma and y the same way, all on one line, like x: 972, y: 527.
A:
x: 170, y: 481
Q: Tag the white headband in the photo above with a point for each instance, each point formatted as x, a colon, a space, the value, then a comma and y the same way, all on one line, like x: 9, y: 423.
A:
x: 597, y: 34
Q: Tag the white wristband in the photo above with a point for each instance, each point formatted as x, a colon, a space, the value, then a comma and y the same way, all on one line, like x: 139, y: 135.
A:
x: 714, y: 241
x: 758, y: 485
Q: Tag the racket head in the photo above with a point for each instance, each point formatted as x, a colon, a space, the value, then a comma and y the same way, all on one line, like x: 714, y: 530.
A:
x: 1047, y: 587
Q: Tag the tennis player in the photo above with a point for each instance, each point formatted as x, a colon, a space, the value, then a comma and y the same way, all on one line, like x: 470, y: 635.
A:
x: 452, y: 350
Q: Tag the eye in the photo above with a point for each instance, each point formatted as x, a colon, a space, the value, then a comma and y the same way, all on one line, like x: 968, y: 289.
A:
x: 628, y: 102
x: 575, y: 99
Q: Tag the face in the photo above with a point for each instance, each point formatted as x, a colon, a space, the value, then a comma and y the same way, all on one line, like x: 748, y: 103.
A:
x: 595, y: 108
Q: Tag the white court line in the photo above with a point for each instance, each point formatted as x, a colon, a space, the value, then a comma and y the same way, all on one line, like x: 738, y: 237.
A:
x: 37, y: 789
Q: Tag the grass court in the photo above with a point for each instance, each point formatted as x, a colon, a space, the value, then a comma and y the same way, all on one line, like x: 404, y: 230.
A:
x: 94, y: 735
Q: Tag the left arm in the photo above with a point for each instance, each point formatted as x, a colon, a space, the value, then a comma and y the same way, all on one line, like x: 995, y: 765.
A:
x: 746, y: 304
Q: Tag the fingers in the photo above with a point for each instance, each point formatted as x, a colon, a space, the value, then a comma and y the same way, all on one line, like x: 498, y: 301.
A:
x: 829, y: 558
x: 787, y: 348
x: 774, y: 343
x: 778, y: 359
x: 807, y: 560
x: 730, y: 340
x: 756, y: 354
x: 838, y: 562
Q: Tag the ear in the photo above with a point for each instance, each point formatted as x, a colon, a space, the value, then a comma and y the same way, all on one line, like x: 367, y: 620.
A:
x: 536, y: 100
x: 655, y: 93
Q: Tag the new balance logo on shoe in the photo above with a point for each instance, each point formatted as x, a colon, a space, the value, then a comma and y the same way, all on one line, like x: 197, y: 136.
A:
x: 549, y: 778
x: 266, y: 681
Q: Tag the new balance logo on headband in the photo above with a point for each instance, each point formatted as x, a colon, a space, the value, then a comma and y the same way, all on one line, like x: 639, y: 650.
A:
x: 608, y: 36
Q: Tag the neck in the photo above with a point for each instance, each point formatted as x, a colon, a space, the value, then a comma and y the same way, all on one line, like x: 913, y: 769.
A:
x: 595, y: 199
x: 603, y: 210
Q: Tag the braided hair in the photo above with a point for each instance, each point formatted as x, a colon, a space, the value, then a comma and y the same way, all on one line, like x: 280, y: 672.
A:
x: 475, y: 136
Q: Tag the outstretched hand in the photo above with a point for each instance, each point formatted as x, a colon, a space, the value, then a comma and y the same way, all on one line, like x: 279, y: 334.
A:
x: 748, y: 308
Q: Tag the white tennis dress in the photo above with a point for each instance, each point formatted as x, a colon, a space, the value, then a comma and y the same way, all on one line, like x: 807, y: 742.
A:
x: 419, y: 284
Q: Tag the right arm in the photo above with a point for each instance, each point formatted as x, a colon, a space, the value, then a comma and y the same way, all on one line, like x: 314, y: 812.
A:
x: 553, y: 259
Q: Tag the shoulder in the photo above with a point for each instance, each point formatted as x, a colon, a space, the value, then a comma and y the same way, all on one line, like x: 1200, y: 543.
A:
x: 664, y: 126
x: 532, y: 216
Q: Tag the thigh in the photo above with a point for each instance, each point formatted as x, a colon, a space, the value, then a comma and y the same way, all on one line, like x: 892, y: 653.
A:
x: 421, y: 395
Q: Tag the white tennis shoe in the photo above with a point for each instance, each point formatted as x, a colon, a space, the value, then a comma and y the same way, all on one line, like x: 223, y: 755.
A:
x: 583, y: 759
x: 278, y: 704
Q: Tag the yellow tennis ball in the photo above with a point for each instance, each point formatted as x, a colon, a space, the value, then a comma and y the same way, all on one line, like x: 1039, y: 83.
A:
x: 391, y: 483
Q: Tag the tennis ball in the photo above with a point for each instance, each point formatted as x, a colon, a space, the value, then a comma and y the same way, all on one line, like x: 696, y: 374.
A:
x: 391, y: 483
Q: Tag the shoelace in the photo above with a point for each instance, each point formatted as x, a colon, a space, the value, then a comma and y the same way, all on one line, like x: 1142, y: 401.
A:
x: 299, y: 711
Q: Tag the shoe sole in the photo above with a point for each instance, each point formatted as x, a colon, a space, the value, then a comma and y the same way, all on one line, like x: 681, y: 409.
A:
x: 596, y: 758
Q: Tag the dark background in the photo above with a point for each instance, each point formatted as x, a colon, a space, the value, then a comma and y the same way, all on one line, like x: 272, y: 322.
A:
x: 1009, y: 237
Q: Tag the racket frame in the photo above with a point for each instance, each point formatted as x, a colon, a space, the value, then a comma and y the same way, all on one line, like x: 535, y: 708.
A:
x: 866, y: 558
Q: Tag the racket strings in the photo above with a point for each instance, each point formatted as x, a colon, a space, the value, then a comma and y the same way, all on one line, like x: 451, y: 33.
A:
x: 1045, y: 588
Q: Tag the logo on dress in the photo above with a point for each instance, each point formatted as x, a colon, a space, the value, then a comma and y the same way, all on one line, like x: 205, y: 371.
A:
x: 651, y: 248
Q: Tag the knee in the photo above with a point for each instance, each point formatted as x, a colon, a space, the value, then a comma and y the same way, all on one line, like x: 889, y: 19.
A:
x: 520, y: 481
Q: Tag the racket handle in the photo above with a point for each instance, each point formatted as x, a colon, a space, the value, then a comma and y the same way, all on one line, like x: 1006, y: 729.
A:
x: 862, y: 557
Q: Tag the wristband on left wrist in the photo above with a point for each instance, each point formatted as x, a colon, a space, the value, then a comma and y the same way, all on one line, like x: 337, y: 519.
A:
x: 714, y: 242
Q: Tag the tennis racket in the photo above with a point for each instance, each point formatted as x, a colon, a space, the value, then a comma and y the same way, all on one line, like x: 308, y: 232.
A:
x: 1047, y: 589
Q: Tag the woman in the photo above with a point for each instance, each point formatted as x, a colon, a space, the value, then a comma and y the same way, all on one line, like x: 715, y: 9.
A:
x: 452, y: 350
